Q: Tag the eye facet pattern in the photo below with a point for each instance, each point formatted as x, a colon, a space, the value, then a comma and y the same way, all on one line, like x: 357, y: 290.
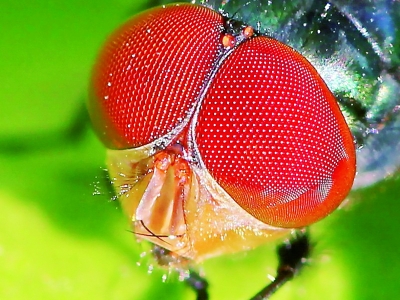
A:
x: 271, y: 134
x: 253, y: 143
x: 150, y: 73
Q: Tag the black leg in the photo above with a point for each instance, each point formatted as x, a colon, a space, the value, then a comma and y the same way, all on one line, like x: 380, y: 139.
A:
x: 168, y: 259
x: 292, y: 257
x: 198, y: 284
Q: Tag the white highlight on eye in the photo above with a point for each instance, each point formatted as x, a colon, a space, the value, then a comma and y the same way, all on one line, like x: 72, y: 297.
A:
x: 282, y: 134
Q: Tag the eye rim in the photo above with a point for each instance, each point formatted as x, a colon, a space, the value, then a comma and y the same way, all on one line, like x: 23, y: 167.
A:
x: 301, y: 56
x: 347, y: 141
x: 104, y: 126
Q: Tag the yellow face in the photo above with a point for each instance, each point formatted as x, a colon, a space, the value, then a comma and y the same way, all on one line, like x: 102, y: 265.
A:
x: 183, y: 209
x: 220, y: 142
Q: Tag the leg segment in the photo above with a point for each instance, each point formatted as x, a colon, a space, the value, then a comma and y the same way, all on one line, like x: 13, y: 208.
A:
x: 198, y: 284
x: 292, y: 256
x: 168, y: 259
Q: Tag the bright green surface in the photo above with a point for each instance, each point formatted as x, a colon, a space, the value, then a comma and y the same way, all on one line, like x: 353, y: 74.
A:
x: 59, y: 241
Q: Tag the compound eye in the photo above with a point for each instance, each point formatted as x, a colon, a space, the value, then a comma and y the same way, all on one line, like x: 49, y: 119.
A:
x: 150, y: 73
x: 272, y: 135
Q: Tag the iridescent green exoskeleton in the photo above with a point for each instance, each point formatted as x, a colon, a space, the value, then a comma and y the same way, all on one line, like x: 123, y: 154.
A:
x: 352, y: 45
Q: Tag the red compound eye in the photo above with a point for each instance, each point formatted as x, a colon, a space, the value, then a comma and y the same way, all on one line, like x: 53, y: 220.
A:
x: 265, y: 125
x: 150, y: 73
x: 272, y: 135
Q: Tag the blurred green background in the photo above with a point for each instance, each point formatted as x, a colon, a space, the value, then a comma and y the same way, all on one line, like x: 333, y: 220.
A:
x: 60, y: 235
